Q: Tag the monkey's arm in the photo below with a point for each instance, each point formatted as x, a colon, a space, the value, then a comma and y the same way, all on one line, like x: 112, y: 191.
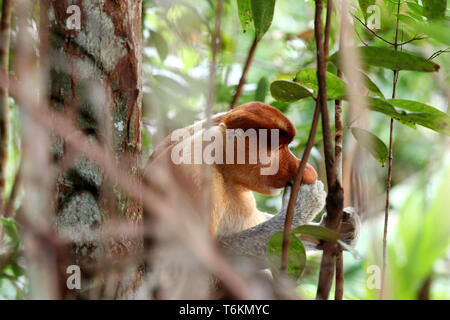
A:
x: 252, y: 242
x: 310, y: 201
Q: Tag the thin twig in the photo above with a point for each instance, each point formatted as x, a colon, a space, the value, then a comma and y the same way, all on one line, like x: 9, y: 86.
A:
x: 360, y: 38
x: 370, y: 30
x: 306, y: 154
x: 348, y: 126
x: 296, y: 188
x: 438, y: 53
x: 416, y: 38
x: 388, y: 188
x: 248, y: 62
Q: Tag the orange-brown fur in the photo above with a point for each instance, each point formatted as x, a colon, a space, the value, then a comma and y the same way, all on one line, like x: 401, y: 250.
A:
x: 233, y: 205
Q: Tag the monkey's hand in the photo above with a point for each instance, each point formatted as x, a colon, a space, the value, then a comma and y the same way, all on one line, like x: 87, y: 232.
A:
x: 310, y: 201
x: 350, y: 226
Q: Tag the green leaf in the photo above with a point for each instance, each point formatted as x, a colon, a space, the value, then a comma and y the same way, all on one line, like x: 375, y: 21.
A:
x: 391, y: 59
x: 262, y: 89
x: 382, y: 106
x: 371, y: 86
x: 296, y: 256
x: 372, y: 143
x: 245, y: 13
x: 434, y: 9
x: 414, y: 106
x: 17, y: 270
x: 318, y: 232
x: 424, y: 115
x: 288, y: 91
x: 262, y: 11
x: 408, y: 20
x: 335, y: 86
x: 434, y: 29
x: 160, y: 44
x: 12, y: 234
x: 282, y: 106
x: 415, y: 8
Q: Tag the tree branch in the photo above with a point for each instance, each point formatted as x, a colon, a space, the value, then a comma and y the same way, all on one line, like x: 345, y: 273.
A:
x: 438, y: 53
x: 296, y: 188
x: 381, y: 38
x: 388, y: 187
x: 338, y: 143
x: 5, y: 27
x: 334, y: 203
x: 306, y: 153
x: 248, y: 62
x: 339, y: 290
x: 370, y: 30
x: 326, y: 40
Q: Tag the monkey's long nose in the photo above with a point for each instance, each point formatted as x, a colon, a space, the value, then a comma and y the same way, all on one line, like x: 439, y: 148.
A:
x: 309, y: 174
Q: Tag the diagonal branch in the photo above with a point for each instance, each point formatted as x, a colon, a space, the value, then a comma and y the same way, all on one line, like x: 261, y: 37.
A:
x: 296, y: 189
x: 305, y: 157
x: 371, y: 31
x: 248, y: 62
x: 416, y: 38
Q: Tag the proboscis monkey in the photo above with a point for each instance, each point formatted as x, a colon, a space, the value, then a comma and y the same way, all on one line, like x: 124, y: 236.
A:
x: 246, y: 149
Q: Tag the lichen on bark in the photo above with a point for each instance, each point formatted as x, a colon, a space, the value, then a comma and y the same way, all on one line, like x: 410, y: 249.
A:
x: 96, y: 80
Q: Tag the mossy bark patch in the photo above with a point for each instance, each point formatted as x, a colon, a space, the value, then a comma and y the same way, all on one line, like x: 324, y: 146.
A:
x: 96, y: 80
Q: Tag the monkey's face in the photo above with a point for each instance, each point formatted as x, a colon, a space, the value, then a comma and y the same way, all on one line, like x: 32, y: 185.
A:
x: 257, y: 149
x: 288, y: 167
x: 268, y: 178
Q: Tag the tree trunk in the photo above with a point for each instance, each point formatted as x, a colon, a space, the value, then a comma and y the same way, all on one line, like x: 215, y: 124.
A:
x: 95, y: 79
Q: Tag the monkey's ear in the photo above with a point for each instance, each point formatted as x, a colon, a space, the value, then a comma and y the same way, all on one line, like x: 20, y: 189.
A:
x: 257, y: 115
